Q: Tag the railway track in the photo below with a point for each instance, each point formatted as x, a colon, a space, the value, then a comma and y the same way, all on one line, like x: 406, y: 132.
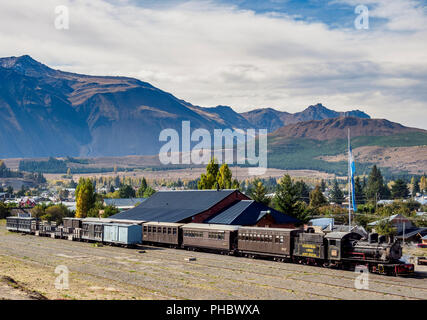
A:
x: 76, y: 248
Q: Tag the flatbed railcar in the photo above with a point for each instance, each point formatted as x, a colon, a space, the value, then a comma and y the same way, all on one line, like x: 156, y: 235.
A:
x: 344, y: 250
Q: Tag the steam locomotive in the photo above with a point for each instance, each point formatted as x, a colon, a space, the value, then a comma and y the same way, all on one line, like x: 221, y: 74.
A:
x: 344, y: 250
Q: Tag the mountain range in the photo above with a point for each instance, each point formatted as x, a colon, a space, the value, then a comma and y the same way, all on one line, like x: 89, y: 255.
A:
x: 46, y: 112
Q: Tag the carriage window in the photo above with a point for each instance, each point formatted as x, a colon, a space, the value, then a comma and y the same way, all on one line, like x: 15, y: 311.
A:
x: 169, y: 230
x: 332, y: 242
x: 145, y: 228
x: 281, y: 239
x: 164, y: 230
x: 174, y: 231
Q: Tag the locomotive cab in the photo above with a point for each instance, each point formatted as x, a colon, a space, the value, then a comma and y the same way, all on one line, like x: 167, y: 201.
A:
x: 339, y: 243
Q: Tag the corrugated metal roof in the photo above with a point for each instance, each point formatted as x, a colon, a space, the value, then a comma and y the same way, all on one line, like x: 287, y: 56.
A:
x: 163, y: 224
x: 248, y: 213
x: 174, y: 206
x: 210, y: 226
x: 322, y: 222
x: 243, y: 229
x: 336, y: 235
x: 124, y: 202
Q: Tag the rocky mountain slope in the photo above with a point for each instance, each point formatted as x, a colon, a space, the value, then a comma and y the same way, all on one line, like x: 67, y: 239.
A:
x: 46, y: 112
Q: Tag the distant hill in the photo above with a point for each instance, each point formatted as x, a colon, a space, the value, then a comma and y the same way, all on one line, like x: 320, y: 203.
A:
x: 273, y: 119
x: 46, y: 112
x: 321, y: 145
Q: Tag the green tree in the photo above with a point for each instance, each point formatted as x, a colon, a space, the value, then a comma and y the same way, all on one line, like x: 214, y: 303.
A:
x: 323, y: 185
x: 4, y: 171
x: 56, y: 213
x: 415, y: 186
x: 4, y: 210
x: 375, y: 188
x: 85, y: 197
x: 126, y: 191
x: 142, y: 188
x: 110, y: 211
x: 423, y: 184
x: 399, y: 190
x: 303, y: 191
x: 259, y: 193
x: 384, y: 227
x: 317, y: 199
x: 209, y: 180
x: 149, y: 192
x: 224, y: 177
x: 337, y: 196
x: 358, y: 191
x: 288, y: 201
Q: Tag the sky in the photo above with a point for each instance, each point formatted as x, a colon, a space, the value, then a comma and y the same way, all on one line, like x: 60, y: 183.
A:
x: 247, y: 54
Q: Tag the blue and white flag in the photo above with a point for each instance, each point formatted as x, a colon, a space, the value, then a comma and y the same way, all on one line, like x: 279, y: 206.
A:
x: 352, y: 173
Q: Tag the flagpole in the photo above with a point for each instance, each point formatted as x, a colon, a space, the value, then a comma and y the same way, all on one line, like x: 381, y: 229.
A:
x: 349, y: 183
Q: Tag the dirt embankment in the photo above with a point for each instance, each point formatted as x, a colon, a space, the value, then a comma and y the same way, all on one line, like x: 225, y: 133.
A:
x: 412, y: 159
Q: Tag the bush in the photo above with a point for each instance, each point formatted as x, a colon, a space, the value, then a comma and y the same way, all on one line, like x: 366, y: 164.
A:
x: 4, y: 210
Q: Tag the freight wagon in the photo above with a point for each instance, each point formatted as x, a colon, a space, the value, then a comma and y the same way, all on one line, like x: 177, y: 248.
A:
x: 124, y: 234
x: 21, y: 224
x: 93, y: 229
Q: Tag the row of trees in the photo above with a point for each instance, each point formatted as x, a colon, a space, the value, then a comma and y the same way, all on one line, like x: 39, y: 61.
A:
x: 217, y: 177
x: 90, y: 204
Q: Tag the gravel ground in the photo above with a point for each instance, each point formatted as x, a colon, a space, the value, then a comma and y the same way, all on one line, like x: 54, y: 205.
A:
x: 107, y: 272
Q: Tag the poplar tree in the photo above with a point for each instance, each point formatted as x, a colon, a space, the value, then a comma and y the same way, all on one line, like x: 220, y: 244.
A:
x: 142, y: 188
x: 85, y: 197
x: 208, y: 180
x: 224, y: 176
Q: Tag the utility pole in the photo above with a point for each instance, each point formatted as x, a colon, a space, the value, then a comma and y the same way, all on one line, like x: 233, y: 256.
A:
x: 349, y: 184
x: 403, y: 237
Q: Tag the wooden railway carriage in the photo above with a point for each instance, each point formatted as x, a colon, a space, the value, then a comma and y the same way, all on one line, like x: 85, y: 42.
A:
x: 213, y: 237
x: 162, y: 233
x: 274, y: 242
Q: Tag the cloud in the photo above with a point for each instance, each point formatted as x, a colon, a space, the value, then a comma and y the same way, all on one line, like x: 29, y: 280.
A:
x: 211, y: 53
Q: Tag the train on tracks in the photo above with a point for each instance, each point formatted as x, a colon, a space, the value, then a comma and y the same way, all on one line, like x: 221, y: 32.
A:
x: 343, y: 250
